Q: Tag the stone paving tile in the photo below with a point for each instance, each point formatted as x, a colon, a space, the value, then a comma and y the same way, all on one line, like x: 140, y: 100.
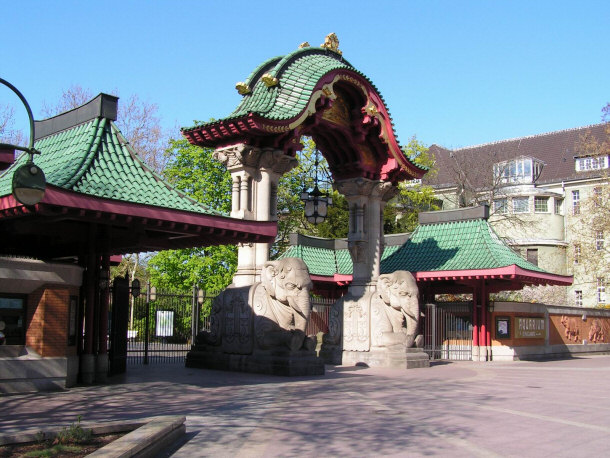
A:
x: 519, y: 409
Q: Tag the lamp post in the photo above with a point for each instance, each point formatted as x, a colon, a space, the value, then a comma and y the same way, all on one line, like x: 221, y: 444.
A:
x: 29, y: 182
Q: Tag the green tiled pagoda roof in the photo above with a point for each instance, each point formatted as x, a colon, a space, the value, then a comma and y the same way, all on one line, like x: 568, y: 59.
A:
x: 93, y: 158
x: 298, y: 73
x: 446, y: 246
x: 452, y: 246
x: 328, y: 262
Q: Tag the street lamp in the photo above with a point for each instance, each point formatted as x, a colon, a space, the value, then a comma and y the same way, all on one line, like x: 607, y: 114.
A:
x: 29, y: 182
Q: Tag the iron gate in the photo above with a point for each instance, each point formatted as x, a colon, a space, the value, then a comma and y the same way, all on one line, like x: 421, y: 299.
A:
x: 448, y: 331
x: 161, y: 325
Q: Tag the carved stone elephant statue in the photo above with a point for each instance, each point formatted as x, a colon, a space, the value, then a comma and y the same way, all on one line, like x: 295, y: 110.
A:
x: 282, y: 306
x: 395, y: 310
x: 271, y: 314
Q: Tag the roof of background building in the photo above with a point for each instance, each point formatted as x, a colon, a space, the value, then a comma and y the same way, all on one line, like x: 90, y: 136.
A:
x: 556, y: 149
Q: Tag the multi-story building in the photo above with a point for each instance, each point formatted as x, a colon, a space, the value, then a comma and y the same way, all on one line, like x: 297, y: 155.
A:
x: 549, y: 197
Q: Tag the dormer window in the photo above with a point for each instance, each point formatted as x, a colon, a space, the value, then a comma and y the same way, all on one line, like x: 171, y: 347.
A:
x: 584, y: 164
x: 522, y: 170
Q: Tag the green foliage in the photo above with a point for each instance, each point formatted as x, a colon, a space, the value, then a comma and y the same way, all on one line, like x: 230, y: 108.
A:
x: 211, y: 268
x: 194, y: 171
x: 74, y: 434
x: 419, y: 153
x: 401, y: 213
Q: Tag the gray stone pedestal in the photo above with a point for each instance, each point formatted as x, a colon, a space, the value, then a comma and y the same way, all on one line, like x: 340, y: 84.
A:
x: 87, y: 369
x: 101, y: 368
x: 274, y: 362
x: 397, y: 357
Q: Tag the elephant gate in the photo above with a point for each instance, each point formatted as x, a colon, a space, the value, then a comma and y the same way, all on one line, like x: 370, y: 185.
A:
x: 311, y: 92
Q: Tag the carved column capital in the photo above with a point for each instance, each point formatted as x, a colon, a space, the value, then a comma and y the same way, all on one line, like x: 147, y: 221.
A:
x: 384, y: 190
x: 235, y: 156
x: 355, y: 187
x: 276, y: 161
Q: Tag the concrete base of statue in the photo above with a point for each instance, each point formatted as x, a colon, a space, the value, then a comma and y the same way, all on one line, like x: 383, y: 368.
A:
x: 273, y: 362
x: 397, y: 357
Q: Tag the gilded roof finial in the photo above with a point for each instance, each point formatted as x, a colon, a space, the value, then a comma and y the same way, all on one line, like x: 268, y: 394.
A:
x: 269, y: 80
x: 305, y: 44
x: 331, y: 42
x: 243, y: 88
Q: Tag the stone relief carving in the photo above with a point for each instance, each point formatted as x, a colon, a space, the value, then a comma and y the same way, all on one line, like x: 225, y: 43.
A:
x: 267, y: 315
x: 386, y: 317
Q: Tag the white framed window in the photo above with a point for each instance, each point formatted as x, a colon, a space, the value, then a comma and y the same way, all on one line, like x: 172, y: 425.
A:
x: 599, y: 240
x: 521, y: 204
x: 558, y: 206
x: 601, y: 290
x: 531, y: 255
x: 541, y: 204
x: 501, y: 206
x: 584, y: 164
x: 576, y: 202
x: 577, y: 254
x: 524, y: 169
x: 578, y: 298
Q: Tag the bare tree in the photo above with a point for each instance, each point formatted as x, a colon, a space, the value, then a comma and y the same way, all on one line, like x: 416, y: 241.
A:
x: 590, y: 225
x: 138, y: 120
x: 8, y: 133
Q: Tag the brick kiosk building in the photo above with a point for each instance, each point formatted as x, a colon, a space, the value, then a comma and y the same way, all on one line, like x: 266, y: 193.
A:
x: 100, y: 201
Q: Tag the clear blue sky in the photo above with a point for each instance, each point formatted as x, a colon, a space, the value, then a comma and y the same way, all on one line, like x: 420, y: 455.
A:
x: 455, y: 73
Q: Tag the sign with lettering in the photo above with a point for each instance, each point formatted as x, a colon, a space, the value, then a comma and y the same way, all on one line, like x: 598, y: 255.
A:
x: 530, y: 328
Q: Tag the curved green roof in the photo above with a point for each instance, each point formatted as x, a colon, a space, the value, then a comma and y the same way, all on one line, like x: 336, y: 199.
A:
x: 445, y: 246
x: 328, y: 262
x: 93, y: 158
x: 455, y: 245
x: 297, y: 72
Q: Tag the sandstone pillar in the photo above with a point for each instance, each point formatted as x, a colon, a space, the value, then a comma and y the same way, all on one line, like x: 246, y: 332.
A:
x: 255, y: 173
x: 366, y: 199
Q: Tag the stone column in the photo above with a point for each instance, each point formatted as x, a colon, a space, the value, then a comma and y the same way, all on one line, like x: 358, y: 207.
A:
x: 256, y: 173
x: 366, y: 199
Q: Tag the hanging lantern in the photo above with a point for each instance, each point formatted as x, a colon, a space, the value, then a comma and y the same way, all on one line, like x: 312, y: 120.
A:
x: 316, y: 201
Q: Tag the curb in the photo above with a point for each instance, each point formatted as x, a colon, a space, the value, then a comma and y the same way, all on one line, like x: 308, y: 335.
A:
x: 148, y: 436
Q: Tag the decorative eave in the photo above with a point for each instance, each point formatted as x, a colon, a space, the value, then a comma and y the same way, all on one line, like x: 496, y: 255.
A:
x: 336, y: 279
x: 164, y: 228
x: 512, y: 273
x: 500, y: 279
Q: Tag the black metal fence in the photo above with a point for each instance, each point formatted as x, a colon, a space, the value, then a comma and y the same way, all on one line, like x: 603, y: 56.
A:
x: 448, y: 331
x: 162, y: 325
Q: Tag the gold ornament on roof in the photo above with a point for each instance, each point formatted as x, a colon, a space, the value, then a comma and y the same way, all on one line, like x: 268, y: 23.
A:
x: 269, y: 80
x: 305, y: 44
x: 372, y: 110
x: 331, y: 42
x: 243, y: 88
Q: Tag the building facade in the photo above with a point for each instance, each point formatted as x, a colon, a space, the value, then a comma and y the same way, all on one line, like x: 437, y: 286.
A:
x: 548, y: 196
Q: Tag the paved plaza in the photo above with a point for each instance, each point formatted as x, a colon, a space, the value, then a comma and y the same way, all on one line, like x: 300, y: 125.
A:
x: 461, y: 409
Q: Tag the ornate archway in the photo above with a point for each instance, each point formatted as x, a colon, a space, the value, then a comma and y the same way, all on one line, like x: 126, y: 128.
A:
x: 312, y: 91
